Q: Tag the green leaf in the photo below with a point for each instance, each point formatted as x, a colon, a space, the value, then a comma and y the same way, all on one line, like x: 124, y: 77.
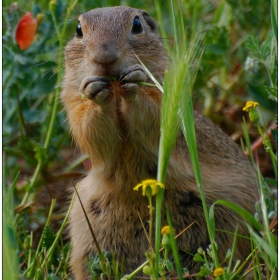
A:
x: 256, y: 51
x: 271, y: 182
x: 217, y: 49
x: 10, y: 246
x: 275, y: 135
x: 169, y: 265
x: 48, y: 241
x: 94, y: 263
x: 272, y: 93
x: 204, y: 272
x: 48, y: 237
x: 259, y: 94
x: 44, y: 85
x: 228, y: 254
x: 273, y: 12
x: 186, y: 271
x: 268, y: 249
x: 198, y: 258
x: 40, y: 153
x: 217, y: 42
x: 52, y: 276
x: 247, y: 216
x: 212, y: 220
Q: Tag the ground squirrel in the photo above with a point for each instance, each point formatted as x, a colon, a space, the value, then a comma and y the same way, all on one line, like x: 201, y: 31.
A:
x: 116, y: 122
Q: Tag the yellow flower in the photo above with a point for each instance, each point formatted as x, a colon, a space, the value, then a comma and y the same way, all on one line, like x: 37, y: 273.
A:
x: 154, y: 185
x: 165, y: 230
x: 166, y: 242
x: 249, y: 105
x: 253, y: 113
x: 218, y: 271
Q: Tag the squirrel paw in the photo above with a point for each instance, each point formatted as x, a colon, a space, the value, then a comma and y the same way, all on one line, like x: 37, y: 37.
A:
x: 130, y: 78
x: 133, y: 74
x: 131, y: 89
x: 95, y: 88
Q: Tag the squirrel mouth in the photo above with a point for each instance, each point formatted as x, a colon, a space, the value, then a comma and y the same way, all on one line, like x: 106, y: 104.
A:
x: 107, y: 70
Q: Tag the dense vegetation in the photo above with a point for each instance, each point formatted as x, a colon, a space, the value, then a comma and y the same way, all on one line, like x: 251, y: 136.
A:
x: 237, y: 40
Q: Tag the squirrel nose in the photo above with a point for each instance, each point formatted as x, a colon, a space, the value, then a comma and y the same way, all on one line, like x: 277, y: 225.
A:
x: 105, y: 53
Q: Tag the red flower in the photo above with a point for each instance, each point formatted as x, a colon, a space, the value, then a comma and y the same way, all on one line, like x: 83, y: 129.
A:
x: 26, y: 31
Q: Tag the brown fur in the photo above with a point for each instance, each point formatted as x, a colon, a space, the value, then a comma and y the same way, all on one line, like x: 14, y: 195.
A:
x: 121, y: 137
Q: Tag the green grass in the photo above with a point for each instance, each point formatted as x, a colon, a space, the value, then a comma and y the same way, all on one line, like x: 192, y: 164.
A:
x: 229, y: 51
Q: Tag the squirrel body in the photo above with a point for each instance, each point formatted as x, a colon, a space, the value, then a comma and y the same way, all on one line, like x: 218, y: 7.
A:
x: 118, y: 126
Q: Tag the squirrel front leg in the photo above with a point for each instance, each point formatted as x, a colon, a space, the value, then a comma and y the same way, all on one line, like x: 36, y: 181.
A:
x: 141, y: 109
x: 92, y: 124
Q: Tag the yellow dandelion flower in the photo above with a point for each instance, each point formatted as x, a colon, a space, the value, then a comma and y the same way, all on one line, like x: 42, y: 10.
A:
x: 218, y: 271
x: 153, y: 184
x: 165, y: 230
x: 249, y: 105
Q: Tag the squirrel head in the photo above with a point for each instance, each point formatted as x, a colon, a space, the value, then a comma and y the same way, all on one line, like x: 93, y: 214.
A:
x: 108, y: 40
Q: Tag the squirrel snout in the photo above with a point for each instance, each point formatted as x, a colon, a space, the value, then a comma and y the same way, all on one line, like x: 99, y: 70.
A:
x: 105, y: 53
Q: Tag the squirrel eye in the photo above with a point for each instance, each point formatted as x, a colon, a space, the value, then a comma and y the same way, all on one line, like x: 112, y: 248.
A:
x: 79, y: 31
x: 137, y: 26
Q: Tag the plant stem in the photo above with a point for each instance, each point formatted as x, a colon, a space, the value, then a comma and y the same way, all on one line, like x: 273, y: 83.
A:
x: 32, y: 183
x: 58, y: 234
x: 268, y: 147
x: 31, y: 264
x: 161, y: 269
x: 151, y: 209
x: 162, y: 166
x: 131, y: 275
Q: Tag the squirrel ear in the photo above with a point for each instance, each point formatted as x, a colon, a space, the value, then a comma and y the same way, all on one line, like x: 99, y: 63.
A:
x: 150, y: 21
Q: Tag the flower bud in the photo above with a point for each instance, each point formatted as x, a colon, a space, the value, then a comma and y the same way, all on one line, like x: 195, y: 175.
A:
x: 39, y: 18
x: 147, y: 270
x: 253, y: 113
x: 254, y: 116
x: 26, y: 30
x: 52, y: 6
x: 165, y: 242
